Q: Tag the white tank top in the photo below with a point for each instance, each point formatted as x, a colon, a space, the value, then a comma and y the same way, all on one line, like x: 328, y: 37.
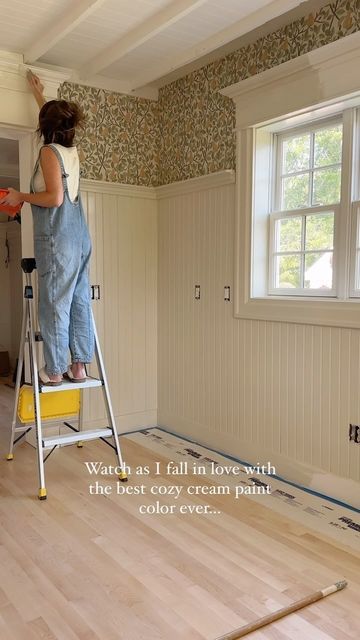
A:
x: 70, y: 158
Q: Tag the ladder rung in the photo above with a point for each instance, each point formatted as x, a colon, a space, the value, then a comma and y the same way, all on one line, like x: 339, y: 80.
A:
x: 67, y: 386
x: 68, y: 438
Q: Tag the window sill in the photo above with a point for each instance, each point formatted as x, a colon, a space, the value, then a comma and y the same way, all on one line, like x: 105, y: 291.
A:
x: 323, y: 312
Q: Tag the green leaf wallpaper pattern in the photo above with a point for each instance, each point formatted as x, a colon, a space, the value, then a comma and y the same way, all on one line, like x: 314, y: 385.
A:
x: 197, y: 123
x: 120, y: 141
x: 189, y: 132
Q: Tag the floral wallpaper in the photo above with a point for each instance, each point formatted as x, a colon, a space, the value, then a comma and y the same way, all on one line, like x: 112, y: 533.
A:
x: 189, y: 131
x: 120, y: 141
x: 196, y: 122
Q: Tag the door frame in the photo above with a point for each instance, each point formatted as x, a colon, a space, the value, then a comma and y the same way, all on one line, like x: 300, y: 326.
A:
x: 27, y: 149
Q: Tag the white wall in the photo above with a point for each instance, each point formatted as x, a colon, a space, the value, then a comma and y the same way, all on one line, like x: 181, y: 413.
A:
x: 257, y: 390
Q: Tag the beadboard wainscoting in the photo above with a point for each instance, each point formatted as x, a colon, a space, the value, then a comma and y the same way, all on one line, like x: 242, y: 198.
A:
x: 123, y: 225
x: 260, y: 391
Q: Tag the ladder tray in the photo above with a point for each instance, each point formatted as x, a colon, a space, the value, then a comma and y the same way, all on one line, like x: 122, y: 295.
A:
x: 59, y: 404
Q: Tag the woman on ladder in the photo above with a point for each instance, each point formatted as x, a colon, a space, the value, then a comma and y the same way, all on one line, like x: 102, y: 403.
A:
x: 62, y: 245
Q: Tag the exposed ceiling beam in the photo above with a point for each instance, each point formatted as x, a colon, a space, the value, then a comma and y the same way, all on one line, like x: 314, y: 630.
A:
x: 140, y: 34
x: 60, y: 28
x: 245, y: 25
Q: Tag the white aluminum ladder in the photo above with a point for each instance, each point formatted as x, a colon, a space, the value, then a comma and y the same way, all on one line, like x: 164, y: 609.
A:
x: 78, y: 435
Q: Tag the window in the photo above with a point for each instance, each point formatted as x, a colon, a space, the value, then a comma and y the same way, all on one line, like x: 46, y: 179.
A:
x: 307, y: 193
x: 297, y: 202
x: 308, y: 220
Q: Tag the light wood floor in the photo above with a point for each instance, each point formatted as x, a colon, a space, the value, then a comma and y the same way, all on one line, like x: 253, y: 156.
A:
x: 81, y: 567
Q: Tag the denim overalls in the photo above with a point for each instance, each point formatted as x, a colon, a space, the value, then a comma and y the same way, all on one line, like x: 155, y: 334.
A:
x: 62, y: 248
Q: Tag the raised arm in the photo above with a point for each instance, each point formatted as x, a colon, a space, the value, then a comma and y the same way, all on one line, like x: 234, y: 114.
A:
x: 54, y: 192
x: 36, y: 87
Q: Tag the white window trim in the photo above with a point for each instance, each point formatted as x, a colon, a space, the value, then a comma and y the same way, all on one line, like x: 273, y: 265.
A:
x: 320, y: 79
x: 354, y: 292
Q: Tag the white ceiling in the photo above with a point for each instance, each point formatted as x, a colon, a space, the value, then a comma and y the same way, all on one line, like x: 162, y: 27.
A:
x: 132, y: 43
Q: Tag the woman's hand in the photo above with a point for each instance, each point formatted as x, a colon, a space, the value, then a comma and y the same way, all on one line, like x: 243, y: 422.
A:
x: 35, y: 82
x: 53, y: 196
x: 12, y: 198
x: 36, y: 87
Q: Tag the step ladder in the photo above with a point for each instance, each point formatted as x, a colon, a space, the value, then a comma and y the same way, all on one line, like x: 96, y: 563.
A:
x: 29, y: 336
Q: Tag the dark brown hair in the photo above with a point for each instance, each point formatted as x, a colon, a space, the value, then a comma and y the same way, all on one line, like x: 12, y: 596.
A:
x: 58, y: 120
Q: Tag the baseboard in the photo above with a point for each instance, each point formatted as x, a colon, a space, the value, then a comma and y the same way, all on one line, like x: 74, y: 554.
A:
x: 318, y: 480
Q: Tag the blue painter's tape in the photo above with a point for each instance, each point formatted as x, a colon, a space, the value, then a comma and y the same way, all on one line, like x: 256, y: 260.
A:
x: 226, y: 455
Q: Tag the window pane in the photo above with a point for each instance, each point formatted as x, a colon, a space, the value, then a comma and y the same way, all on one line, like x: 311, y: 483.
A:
x: 327, y: 146
x: 289, y: 234
x: 295, y: 192
x: 288, y: 272
x: 318, y: 270
x: 319, y: 231
x: 327, y: 185
x: 296, y: 154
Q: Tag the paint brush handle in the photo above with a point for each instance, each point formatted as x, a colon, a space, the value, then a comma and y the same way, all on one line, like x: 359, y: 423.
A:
x: 277, y: 615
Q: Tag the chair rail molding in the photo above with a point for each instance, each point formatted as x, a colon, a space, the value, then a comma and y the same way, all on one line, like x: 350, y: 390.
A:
x: 118, y: 189
x: 201, y: 183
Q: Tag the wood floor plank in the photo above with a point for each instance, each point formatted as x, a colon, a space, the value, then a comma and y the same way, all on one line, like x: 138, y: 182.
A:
x: 89, y: 567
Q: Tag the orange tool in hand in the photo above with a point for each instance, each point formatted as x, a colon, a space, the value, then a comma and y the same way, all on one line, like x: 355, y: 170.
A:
x: 7, y: 208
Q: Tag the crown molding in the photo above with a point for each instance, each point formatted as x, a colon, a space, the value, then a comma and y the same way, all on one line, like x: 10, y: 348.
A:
x: 13, y: 72
x: 51, y: 78
x: 13, y: 75
x: 315, y: 78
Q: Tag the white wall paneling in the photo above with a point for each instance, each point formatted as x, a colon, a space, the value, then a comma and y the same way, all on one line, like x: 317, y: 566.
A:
x: 258, y: 390
x: 123, y: 226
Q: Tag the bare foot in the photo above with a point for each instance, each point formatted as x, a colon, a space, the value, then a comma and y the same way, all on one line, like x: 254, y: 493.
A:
x: 78, y: 370
x: 55, y: 378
